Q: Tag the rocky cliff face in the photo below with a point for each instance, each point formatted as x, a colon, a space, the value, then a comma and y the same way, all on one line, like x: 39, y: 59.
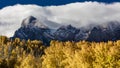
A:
x: 31, y: 29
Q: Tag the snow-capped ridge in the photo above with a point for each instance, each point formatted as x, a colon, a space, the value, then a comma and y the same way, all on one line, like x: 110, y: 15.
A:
x: 33, y: 29
x: 31, y: 21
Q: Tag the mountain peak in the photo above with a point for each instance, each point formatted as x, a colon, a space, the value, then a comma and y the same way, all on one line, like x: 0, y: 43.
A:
x: 32, y: 21
x: 28, y: 21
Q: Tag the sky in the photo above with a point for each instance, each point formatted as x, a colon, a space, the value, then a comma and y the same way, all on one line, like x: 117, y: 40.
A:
x: 4, y: 3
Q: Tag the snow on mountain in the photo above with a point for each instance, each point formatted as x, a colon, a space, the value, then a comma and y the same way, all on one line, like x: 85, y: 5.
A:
x: 97, y: 33
x: 32, y: 21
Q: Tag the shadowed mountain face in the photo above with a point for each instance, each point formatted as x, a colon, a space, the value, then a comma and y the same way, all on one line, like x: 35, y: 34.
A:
x: 34, y: 30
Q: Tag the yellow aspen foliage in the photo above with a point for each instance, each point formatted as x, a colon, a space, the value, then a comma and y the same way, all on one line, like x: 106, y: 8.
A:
x: 83, y: 54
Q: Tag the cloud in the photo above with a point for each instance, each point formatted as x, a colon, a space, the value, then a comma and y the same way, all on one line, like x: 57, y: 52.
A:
x: 77, y: 14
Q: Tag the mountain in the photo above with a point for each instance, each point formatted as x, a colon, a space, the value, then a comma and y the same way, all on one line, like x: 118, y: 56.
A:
x: 32, y: 22
x: 32, y: 29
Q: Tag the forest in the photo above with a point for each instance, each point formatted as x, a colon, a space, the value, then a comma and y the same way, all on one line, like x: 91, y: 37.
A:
x: 83, y: 54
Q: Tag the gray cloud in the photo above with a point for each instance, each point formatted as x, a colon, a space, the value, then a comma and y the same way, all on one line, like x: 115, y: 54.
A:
x: 76, y: 14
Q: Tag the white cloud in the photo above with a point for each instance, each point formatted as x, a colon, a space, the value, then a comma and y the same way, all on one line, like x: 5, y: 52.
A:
x: 76, y: 14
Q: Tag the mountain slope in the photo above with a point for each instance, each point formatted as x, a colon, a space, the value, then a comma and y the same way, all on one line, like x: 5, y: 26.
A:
x: 34, y: 30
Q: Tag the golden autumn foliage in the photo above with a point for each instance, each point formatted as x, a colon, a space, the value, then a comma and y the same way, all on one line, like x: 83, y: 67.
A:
x: 82, y: 55
x: 20, y: 53
x: 33, y: 54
